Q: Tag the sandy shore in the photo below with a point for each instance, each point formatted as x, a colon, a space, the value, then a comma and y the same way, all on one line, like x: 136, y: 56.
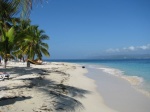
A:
x: 51, y: 87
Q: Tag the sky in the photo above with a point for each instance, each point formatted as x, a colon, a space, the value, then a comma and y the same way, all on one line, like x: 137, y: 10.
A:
x: 89, y: 28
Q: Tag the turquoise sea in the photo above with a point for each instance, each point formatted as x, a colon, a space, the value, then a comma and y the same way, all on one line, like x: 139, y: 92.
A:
x: 138, y: 68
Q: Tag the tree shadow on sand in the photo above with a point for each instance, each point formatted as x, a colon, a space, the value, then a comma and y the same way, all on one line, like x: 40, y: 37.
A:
x: 21, y: 70
x: 63, y: 96
x: 11, y: 100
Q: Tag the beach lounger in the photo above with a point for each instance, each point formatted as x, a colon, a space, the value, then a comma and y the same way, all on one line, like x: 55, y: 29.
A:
x: 37, y: 62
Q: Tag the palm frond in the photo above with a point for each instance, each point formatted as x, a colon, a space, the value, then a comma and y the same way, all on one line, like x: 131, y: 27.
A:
x: 45, y: 45
x: 11, y: 34
x: 44, y: 37
x: 25, y: 6
x: 45, y: 52
x: 8, y: 8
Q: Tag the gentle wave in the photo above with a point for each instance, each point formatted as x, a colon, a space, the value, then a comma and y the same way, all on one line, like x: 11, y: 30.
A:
x: 133, y: 80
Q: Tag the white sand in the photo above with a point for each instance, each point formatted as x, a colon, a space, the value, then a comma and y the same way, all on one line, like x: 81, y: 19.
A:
x: 52, y: 87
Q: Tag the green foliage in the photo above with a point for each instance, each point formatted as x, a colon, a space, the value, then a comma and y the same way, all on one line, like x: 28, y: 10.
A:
x: 29, y: 40
x: 18, y: 37
x: 10, y: 34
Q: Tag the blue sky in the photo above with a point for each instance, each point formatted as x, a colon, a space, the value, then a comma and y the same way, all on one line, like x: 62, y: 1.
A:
x: 89, y: 28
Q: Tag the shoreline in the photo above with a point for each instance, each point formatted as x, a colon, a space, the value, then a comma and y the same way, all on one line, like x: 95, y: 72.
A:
x: 135, y: 81
x: 55, y: 86
x: 117, y: 92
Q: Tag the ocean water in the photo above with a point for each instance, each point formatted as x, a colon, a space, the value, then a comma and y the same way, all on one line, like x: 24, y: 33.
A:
x: 136, y: 71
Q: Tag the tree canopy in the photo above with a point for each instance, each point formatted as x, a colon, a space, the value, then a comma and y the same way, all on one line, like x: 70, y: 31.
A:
x: 18, y: 38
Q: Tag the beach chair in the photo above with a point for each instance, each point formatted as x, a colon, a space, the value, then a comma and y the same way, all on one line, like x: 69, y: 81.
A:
x: 36, y: 62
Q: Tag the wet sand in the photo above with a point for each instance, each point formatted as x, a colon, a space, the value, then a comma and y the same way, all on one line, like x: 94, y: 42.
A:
x: 118, y: 93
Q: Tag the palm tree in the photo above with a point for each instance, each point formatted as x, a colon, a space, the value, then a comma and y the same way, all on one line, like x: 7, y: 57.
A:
x: 30, y: 41
x: 7, y: 44
x: 34, y: 47
x: 8, y: 9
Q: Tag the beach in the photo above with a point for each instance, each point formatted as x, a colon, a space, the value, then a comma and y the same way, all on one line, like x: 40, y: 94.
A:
x: 74, y: 56
x: 50, y: 87
x: 67, y: 87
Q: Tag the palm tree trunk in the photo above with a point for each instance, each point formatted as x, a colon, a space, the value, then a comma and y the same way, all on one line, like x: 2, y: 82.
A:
x: 23, y: 59
x: 28, y: 64
x: 3, y: 34
x: 5, y: 62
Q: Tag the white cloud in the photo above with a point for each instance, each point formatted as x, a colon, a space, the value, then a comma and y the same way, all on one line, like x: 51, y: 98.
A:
x: 132, y: 48
x: 144, y: 47
x: 128, y: 49
x: 112, y: 50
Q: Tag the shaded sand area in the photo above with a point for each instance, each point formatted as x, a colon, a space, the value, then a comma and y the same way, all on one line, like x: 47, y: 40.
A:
x: 117, y: 92
x: 51, y: 87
